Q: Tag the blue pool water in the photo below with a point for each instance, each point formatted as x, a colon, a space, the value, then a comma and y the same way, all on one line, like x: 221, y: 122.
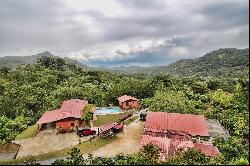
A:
x: 107, y: 110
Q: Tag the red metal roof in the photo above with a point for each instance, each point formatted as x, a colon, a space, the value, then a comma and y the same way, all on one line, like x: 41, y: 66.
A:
x: 168, y: 146
x: 106, y: 127
x: 125, y: 98
x: 208, y: 150
x: 70, y: 108
x: 118, y: 126
x: 109, y: 126
x: 174, y: 122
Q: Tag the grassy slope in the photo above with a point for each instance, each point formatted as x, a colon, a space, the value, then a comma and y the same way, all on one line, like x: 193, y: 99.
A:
x: 130, y: 120
x: 28, y: 133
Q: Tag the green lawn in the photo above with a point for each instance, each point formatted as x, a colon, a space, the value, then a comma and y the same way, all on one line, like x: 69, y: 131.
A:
x: 86, y: 147
x: 103, y: 119
x: 130, y: 120
x: 28, y: 133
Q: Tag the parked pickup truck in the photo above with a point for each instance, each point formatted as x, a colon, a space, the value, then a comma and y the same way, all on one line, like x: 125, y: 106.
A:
x: 84, y: 131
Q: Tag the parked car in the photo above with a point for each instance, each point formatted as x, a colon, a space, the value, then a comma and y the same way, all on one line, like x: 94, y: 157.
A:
x: 84, y: 131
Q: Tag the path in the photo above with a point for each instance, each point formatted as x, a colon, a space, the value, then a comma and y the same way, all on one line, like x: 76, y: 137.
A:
x: 127, y: 142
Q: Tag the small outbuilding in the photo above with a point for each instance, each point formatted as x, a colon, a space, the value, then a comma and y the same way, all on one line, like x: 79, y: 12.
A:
x: 128, y: 102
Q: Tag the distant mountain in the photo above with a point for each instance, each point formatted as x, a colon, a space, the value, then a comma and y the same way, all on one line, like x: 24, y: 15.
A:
x: 221, y: 62
x: 14, y: 61
x: 132, y: 69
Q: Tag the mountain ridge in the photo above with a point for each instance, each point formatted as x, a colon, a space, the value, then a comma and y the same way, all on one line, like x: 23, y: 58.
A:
x: 15, y: 61
x: 221, y: 62
x: 215, y: 63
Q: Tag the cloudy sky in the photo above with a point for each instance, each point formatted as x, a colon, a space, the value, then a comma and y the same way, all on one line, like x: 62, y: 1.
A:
x: 122, y: 32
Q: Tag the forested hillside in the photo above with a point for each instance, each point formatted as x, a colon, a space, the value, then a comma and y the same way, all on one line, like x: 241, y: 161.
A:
x: 28, y: 91
x: 223, y: 62
x: 228, y: 62
x: 15, y: 61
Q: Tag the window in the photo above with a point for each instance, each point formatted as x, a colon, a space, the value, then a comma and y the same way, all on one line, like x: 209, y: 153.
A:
x: 72, y: 124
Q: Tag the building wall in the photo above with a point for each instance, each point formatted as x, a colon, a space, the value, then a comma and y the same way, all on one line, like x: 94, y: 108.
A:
x: 67, y: 123
x: 129, y: 104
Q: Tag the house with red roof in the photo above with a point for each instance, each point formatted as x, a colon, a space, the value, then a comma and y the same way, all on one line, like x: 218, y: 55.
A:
x: 128, y: 102
x: 173, y: 131
x: 66, y: 117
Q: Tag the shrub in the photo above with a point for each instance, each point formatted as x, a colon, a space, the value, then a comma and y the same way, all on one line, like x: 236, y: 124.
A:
x: 86, y: 112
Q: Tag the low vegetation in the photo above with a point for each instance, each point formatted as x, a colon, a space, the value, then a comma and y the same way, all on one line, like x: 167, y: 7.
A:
x: 86, y: 112
x: 30, y: 132
x: 149, y: 155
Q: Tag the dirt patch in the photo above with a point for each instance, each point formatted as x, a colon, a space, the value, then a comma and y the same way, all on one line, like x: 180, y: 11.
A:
x: 8, y: 148
x: 45, y: 142
x: 8, y: 151
x: 128, y: 141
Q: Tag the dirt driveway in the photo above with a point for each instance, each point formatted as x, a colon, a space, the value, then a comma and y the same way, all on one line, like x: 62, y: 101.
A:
x: 127, y: 142
x: 45, y: 142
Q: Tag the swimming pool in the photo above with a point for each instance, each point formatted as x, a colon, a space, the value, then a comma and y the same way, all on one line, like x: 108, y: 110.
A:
x: 107, y: 110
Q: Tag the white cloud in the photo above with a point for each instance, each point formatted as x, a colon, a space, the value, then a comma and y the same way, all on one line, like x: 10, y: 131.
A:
x: 110, y: 8
x: 180, y: 51
x: 91, y: 27
x: 119, y: 50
